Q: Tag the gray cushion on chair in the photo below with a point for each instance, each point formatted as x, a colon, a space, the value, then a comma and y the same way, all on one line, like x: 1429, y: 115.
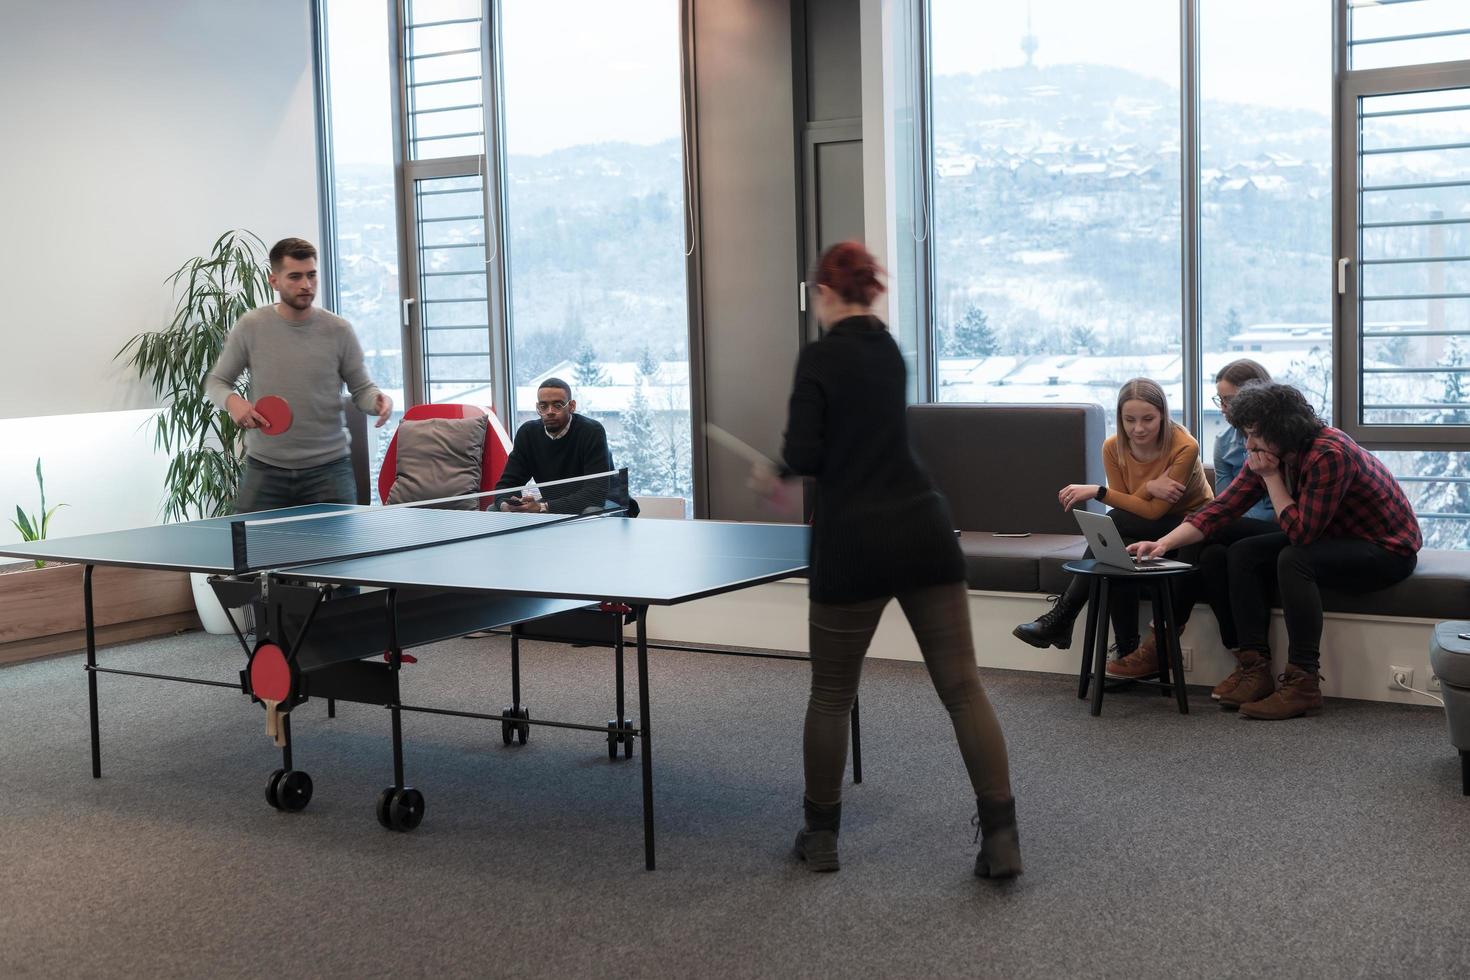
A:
x: 439, y: 458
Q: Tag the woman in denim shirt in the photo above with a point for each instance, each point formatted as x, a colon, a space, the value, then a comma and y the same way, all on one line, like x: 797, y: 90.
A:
x: 1260, y: 519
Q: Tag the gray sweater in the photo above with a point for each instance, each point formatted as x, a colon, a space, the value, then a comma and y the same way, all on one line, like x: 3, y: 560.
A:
x: 305, y: 363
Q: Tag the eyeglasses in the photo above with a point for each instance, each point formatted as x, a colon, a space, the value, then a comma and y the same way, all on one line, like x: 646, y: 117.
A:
x: 1222, y: 401
x: 544, y: 407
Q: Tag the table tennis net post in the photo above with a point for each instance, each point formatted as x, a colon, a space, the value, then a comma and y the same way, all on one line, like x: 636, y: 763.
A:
x: 260, y: 542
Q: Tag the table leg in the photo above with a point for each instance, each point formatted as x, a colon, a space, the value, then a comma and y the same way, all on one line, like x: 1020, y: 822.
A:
x: 1090, y: 634
x: 857, y: 744
x: 1157, y: 600
x: 645, y: 737
x: 91, y: 672
x: 1100, y: 647
x: 1176, y: 656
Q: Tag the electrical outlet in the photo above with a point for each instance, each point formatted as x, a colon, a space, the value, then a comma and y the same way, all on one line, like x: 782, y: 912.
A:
x: 1400, y: 677
x: 1433, y: 681
x: 1187, y: 655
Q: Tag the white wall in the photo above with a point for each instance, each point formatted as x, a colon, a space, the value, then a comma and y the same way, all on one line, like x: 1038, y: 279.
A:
x: 1356, y: 650
x: 101, y: 465
x: 135, y: 133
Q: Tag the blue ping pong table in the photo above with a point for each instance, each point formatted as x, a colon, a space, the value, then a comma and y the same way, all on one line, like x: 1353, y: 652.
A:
x: 339, y: 592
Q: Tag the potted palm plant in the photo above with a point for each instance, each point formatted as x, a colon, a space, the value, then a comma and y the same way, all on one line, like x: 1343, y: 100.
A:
x: 205, y: 445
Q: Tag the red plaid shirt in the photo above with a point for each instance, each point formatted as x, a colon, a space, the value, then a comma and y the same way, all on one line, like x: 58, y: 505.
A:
x: 1340, y: 491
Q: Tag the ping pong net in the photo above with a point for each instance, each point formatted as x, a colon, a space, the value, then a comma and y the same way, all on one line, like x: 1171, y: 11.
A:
x: 284, y: 542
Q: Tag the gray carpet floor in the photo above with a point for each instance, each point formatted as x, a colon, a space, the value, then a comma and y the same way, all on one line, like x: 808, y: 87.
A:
x: 1156, y: 845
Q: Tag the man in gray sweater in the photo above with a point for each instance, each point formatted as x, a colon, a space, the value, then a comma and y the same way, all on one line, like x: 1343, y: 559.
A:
x: 303, y: 355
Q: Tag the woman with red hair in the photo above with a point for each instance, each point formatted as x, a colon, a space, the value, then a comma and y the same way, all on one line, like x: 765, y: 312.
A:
x: 881, y: 531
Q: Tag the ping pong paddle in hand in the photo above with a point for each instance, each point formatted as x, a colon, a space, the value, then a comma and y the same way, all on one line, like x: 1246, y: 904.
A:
x: 276, y: 412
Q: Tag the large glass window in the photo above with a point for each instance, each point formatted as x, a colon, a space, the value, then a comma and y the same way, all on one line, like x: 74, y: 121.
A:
x: 365, y: 245
x: 1393, y: 33
x: 1056, y: 259
x: 1265, y: 196
x: 595, y: 223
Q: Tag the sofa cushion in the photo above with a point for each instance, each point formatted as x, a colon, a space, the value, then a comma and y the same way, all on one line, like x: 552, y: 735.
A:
x: 1005, y: 564
x: 1051, y: 578
x: 1000, y: 466
x: 1438, y: 589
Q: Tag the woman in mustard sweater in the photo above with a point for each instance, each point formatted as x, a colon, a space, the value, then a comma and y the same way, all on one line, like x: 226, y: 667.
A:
x: 1155, y: 478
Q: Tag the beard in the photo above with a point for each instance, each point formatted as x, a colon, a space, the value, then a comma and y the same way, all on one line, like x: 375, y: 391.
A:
x: 299, y: 302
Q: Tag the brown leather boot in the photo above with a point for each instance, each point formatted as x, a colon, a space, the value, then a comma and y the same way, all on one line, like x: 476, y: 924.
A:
x: 1253, y: 684
x: 1142, y: 662
x: 1220, y: 690
x: 1299, y: 694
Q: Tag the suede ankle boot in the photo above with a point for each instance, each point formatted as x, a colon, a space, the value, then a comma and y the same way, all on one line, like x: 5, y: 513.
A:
x: 1299, y: 693
x: 1000, y: 844
x: 1254, y: 682
x: 1053, y: 628
x: 816, y: 843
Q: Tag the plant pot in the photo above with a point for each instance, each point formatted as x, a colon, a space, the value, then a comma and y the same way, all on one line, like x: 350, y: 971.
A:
x: 211, y: 614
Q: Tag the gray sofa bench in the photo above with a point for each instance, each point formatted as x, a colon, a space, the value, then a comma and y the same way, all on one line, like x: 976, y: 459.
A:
x: 1001, y: 465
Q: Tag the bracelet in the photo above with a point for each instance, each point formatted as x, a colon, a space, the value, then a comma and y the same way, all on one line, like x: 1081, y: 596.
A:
x: 1102, y: 492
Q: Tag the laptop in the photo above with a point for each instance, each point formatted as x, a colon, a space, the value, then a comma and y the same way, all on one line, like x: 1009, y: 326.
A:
x: 1107, y: 546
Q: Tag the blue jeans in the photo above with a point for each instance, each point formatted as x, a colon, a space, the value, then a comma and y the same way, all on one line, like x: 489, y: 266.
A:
x: 266, y: 487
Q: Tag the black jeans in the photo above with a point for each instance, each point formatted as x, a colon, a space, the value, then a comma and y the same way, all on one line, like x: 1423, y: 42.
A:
x: 1124, y: 596
x: 1214, y: 576
x: 1255, y: 564
x: 940, y: 618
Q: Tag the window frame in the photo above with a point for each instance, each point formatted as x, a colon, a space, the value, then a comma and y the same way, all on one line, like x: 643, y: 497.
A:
x: 1347, y: 349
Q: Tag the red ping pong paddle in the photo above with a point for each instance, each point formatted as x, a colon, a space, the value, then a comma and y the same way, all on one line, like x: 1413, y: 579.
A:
x: 270, y: 681
x: 276, y: 412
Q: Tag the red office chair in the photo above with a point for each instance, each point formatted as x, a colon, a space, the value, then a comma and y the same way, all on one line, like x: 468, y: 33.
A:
x: 497, y: 451
x: 497, y: 446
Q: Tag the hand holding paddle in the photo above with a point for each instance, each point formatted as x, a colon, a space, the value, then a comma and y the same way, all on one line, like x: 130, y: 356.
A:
x: 244, y: 413
x: 276, y: 412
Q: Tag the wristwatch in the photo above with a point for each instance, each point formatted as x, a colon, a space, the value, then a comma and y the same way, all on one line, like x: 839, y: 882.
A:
x: 1102, y: 492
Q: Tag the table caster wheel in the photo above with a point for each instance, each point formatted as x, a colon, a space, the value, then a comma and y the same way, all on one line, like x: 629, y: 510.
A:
x: 507, y: 727
x: 628, y: 746
x: 405, y: 809
x: 293, y: 791
x: 385, y: 800
x: 523, y: 730
x: 614, y: 739
x: 272, y: 789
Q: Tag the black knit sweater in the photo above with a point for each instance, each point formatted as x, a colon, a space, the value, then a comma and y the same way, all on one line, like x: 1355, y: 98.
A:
x: 879, y: 526
x: 537, y: 456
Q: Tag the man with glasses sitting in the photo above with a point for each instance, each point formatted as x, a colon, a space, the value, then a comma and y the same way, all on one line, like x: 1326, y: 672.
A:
x: 559, y: 445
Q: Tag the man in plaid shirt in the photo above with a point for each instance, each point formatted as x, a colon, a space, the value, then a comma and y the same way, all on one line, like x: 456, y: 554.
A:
x: 1345, y: 523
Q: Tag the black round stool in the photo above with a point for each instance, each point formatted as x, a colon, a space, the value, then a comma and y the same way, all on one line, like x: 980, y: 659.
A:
x: 1159, y: 586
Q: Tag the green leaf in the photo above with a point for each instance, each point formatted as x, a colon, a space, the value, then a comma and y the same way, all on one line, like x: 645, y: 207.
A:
x: 46, y: 520
x: 23, y: 523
